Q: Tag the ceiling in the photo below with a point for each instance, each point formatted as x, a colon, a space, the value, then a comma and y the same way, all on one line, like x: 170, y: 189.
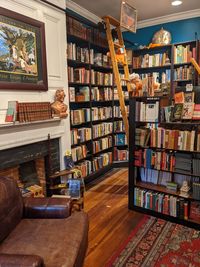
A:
x: 147, y: 9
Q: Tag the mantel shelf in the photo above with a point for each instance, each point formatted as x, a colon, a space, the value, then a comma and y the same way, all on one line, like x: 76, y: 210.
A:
x: 17, y: 124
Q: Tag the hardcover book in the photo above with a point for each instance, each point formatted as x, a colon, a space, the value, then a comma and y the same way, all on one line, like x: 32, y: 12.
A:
x: 188, y: 109
x: 177, y: 112
x: 179, y: 98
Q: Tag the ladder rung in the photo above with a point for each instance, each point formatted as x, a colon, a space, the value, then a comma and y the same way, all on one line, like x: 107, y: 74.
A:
x: 118, y: 45
x: 112, y: 20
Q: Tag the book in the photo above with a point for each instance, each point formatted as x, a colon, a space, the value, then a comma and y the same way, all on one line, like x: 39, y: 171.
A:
x: 11, y: 114
x: 189, y: 97
x: 74, y: 189
x: 188, y: 109
x: 177, y: 112
x: 196, y: 112
x: 179, y: 98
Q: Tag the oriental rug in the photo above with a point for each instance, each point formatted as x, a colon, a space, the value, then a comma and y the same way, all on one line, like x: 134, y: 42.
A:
x: 158, y: 243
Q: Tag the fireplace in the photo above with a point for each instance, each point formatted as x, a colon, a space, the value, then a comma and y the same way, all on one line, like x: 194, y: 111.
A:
x: 30, y: 164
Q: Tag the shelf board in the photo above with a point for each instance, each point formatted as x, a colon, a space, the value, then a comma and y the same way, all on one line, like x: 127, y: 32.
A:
x: 97, y: 67
x: 167, y: 149
x: 188, y: 223
x: 100, y: 85
x: 78, y: 84
x: 125, y: 145
x: 102, y: 151
x: 85, y: 158
x: 96, y: 138
x: 81, y: 143
x: 17, y: 123
x: 103, y: 120
x: 177, y: 123
x: 74, y: 62
x: 146, y: 49
x: 80, y: 124
x: 97, y: 173
x: 176, y: 65
x: 161, y: 189
x: 152, y: 68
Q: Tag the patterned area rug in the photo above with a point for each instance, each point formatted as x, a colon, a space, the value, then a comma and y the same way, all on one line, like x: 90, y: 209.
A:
x: 158, y: 243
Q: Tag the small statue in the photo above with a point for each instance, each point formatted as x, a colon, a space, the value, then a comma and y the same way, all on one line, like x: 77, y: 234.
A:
x: 136, y: 84
x: 58, y: 107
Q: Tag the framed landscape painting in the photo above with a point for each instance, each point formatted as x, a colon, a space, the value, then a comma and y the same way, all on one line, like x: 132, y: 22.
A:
x: 22, y: 52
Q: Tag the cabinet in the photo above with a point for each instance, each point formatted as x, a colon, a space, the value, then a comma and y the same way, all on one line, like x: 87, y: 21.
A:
x: 164, y: 176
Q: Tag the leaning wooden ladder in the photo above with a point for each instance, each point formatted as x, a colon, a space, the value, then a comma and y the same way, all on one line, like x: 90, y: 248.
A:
x: 113, y: 46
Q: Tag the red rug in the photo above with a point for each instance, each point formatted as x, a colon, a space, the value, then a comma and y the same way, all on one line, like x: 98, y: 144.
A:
x: 158, y: 243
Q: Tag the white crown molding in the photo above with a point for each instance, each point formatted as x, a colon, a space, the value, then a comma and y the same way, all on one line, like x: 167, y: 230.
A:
x: 82, y: 11
x: 169, y: 18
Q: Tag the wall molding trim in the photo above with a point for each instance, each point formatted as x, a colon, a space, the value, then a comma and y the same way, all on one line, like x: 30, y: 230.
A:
x: 82, y: 11
x: 141, y: 24
x: 169, y: 18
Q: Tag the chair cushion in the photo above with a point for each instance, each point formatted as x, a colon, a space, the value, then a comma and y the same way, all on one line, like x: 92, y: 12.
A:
x: 11, y: 206
x: 60, y: 242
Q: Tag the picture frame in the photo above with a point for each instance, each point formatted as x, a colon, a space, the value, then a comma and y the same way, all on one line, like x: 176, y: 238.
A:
x: 22, y: 52
x: 128, y: 17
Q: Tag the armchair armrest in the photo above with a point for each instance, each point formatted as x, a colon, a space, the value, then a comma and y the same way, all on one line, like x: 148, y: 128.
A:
x: 47, y: 207
x: 13, y: 260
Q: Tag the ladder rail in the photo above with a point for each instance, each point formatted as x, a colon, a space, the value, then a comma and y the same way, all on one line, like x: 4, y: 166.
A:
x: 117, y: 76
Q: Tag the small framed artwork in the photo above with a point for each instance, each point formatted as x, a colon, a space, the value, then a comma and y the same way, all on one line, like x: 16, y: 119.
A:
x: 128, y: 16
x: 22, y: 52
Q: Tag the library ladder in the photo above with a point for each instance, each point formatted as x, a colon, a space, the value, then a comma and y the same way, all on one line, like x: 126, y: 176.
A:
x: 115, y: 63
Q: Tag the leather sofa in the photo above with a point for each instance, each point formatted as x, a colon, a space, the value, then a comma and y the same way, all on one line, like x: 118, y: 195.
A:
x: 39, y: 231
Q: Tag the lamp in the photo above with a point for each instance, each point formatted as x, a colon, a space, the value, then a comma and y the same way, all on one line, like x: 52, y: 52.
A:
x: 176, y: 2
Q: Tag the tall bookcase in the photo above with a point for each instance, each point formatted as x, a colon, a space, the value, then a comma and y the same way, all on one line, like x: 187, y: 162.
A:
x: 164, y: 154
x: 94, y: 110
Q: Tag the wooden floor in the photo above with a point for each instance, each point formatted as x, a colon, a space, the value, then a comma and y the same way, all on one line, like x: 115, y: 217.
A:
x: 106, y: 203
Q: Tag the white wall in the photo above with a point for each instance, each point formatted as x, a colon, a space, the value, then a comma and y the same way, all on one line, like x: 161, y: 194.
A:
x: 55, y: 31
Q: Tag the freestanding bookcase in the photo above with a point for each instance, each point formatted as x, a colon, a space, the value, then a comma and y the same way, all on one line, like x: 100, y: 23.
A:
x: 149, y: 193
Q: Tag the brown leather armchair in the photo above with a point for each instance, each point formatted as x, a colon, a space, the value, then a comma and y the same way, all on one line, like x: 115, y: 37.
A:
x: 39, y: 231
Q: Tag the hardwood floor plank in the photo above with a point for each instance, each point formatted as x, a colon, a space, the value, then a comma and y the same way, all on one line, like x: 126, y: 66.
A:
x: 106, y: 202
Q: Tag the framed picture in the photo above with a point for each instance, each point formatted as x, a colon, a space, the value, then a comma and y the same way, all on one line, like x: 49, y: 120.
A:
x: 128, y: 17
x: 22, y: 52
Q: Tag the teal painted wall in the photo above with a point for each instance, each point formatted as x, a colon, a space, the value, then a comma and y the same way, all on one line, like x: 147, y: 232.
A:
x: 181, y: 31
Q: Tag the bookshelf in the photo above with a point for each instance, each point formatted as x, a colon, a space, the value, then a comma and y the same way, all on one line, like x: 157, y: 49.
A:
x: 163, y: 155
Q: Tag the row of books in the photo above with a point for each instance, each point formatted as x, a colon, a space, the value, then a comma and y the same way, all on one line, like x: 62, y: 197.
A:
x: 118, y: 126
x: 183, y: 54
x: 79, y: 152
x: 155, y: 176
x: 117, y: 111
x: 80, y: 116
x: 78, y: 75
x: 163, y: 77
x: 120, y: 139
x: 167, y: 138
x: 151, y: 159
x: 183, y: 73
x: 80, y: 54
x: 33, y: 111
x: 82, y: 94
x: 101, y: 113
x: 116, y: 95
x: 85, y: 55
x: 102, y: 144
x: 146, y: 61
x: 80, y: 135
x: 121, y: 154
x: 85, y: 167
x: 101, y: 78
x: 147, y: 111
x: 101, y: 94
x: 102, y: 129
x: 76, y: 28
x: 163, y: 203
x: 102, y: 160
x: 196, y: 190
